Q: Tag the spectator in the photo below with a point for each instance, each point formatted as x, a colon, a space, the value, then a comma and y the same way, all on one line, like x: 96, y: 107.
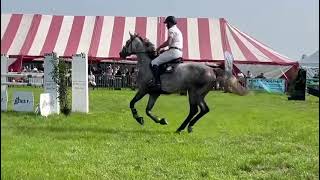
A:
x: 240, y: 75
x: 69, y: 77
x: 115, y: 70
x: 118, y: 73
x: 249, y: 75
x: 126, y: 72
x: 42, y: 67
x: 109, y: 70
x: 28, y: 69
x: 261, y: 76
x: 132, y: 73
x: 241, y: 78
x: 92, y: 80
x: 35, y: 69
x: 24, y: 69
x: 103, y: 74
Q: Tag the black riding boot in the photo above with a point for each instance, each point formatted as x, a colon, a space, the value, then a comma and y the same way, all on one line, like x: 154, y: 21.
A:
x: 156, y: 75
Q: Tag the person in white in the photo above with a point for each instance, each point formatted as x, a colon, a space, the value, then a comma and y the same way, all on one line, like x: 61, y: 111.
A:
x: 92, y: 80
x: 175, y: 44
x: 240, y: 75
x: 35, y: 69
x: 249, y: 75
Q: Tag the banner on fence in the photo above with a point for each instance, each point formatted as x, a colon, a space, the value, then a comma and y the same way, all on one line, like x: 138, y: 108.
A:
x: 313, y: 82
x: 4, y: 98
x: 80, y: 94
x: 269, y: 85
x: 23, y: 101
x: 46, y: 104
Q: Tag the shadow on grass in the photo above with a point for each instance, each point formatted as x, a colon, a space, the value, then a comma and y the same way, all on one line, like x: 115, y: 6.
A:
x: 12, y: 113
x: 82, y: 130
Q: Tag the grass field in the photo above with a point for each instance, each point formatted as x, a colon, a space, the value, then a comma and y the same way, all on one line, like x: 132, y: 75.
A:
x: 259, y: 136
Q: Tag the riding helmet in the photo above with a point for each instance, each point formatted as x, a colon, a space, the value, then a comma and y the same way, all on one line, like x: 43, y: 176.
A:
x: 170, y: 19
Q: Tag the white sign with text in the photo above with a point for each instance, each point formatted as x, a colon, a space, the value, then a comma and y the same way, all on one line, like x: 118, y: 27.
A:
x: 23, y: 101
x: 80, y: 94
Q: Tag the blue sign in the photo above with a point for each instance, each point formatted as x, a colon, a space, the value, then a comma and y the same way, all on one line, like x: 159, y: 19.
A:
x: 269, y: 85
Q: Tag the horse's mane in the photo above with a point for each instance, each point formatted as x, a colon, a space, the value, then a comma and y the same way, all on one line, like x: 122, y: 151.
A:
x: 145, y: 41
x: 151, y: 50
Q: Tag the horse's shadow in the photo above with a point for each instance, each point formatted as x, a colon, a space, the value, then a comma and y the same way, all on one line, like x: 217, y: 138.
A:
x: 82, y: 132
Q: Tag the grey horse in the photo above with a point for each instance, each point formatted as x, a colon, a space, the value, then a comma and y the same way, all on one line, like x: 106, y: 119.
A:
x: 195, y: 78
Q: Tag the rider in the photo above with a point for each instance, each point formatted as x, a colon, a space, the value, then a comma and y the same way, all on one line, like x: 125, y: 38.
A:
x: 175, y: 43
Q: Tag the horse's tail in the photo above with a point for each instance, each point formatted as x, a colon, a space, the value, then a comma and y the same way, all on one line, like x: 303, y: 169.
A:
x: 230, y: 82
x: 236, y: 87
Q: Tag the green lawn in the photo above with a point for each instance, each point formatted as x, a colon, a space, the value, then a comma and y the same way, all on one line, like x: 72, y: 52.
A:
x: 258, y: 136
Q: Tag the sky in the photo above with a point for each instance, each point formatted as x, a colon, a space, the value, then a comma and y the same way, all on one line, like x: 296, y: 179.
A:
x: 291, y: 27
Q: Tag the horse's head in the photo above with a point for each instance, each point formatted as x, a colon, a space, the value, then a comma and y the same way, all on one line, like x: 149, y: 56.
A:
x: 136, y: 45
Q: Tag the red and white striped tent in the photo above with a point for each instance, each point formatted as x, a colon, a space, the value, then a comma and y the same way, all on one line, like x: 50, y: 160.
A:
x: 29, y: 36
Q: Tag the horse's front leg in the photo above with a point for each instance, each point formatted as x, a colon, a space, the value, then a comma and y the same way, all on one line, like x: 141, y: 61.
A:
x: 135, y: 99
x: 152, y: 99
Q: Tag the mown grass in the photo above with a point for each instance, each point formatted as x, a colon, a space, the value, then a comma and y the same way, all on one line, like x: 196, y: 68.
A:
x: 259, y: 136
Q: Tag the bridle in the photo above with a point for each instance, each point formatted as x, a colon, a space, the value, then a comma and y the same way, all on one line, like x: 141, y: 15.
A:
x: 130, y: 45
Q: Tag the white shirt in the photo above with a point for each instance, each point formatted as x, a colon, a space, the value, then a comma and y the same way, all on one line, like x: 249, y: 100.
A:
x: 176, y: 37
x: 240, y: 75
x: 92, y: 78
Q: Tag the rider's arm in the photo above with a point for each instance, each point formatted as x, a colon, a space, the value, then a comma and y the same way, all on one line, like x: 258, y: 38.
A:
x: 164, y: 44
x: 167, y: 42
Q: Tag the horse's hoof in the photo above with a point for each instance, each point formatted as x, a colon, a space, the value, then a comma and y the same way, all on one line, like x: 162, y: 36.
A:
x: 163, y: 121
x: 189, y: 129
x: 178, y: 132
x: 140, y: 120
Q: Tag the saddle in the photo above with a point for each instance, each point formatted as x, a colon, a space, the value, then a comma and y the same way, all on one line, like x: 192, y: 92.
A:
x: 169, y: 66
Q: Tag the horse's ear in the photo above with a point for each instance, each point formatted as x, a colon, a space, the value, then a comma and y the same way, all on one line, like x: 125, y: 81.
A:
x: 131, y: 36
x: 146, y: 42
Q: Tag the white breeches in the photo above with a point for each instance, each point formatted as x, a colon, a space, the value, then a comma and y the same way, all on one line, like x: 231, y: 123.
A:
x: 167, y: 56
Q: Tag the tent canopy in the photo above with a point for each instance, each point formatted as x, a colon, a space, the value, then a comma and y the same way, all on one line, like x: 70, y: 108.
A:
x: 311, y: 61
x: 311, y: 64
x: 205, y: 39
x: 28, y: 36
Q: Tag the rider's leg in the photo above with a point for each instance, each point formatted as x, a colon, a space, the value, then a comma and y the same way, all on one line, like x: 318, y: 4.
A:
x: 161, y: 59
x: 156, y: 75
x: 166, y: 57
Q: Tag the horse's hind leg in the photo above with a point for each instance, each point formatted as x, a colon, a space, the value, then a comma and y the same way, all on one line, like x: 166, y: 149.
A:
x: 204, y: 109
x: 193, y: 111
x: 152, y: 99
x: 135, y: 99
